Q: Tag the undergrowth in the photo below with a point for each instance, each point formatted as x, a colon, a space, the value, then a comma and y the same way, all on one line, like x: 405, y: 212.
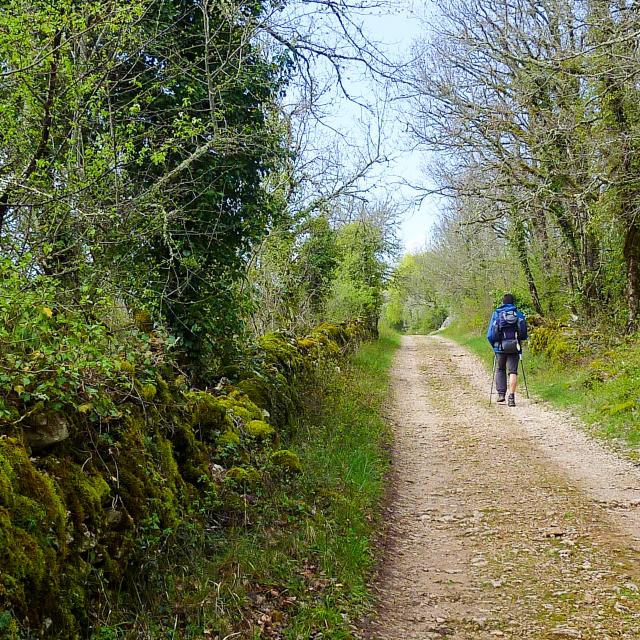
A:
x: 297, y: 566
x: 595, y: 377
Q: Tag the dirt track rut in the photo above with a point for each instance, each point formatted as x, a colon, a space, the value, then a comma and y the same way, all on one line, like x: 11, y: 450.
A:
x: 505, y: 523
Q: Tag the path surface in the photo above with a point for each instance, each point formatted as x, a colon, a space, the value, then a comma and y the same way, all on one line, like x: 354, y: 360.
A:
x: 505, y: 523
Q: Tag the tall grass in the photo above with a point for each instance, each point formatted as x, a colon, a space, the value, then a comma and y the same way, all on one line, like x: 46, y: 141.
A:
x: 297, y: 567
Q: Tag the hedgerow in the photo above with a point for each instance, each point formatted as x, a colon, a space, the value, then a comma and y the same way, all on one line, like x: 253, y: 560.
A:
x: 108, y: 456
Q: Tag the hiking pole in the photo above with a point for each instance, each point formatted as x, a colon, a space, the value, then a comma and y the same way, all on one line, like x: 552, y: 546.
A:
x: 493, y: 376
x: 524, y: 375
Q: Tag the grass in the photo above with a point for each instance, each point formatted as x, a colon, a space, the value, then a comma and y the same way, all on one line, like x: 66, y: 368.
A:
x: 297, y: 567
x: 600, y: 383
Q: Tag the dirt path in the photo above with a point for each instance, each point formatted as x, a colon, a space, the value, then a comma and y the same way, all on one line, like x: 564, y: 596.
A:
x: 507, y: 523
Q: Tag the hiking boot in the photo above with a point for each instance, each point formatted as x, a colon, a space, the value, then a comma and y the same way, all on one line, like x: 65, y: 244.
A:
x: 501, y: 397
x: 511, y: 400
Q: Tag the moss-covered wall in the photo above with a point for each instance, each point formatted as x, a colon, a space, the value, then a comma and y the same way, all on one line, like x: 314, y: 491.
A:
x: 78, y: 518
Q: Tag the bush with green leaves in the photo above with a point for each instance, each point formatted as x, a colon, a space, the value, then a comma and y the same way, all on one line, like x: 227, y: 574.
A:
x: 85, y: 353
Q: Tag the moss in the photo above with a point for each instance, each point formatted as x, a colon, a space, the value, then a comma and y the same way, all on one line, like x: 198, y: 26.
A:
x: 7, y: 479
x: 246, y: 476
x: 28, y: 481
x: 237, y: 412
x: 260, y: 392
x: 33, y: 534
x: 163, y: 390
x: 85, y: 492
x: 127, y: 367
x: 283, y: 352
x: 259, y: 429
x: 274, y: 395
x: 147, y: 391
x: 166, y: 458
x: 286, y: 460
x: 229, y: 438
x: 240, y: 407
x: 180, y: 383
x: 145, y: 482
x: 334, y: 331
x: 209, y: 415
x: 143, y: 321
x: 309, y: 344
x: 191, y: 454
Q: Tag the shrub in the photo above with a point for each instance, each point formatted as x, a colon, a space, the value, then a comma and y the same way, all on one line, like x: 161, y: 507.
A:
x: 556, y: 343
x: 147, y: 463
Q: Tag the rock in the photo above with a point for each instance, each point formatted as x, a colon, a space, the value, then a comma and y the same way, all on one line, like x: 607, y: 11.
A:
x: 45, y: 430
x: 113, y: 517
x: 565, y: 632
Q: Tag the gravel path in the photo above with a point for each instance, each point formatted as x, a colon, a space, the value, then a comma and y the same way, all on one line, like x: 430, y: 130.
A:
x: 505, y: 523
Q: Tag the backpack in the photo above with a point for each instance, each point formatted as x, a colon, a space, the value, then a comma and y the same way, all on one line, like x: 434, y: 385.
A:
x: 507, y: 322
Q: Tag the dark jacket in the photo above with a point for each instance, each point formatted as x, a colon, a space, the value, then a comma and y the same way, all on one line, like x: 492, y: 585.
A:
x: 492, y: 330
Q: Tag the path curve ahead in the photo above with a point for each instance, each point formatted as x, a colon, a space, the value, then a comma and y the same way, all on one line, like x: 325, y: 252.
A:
x: 505, y: 522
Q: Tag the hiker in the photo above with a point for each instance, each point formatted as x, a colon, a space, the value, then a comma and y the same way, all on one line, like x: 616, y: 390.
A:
x: 507, y: 329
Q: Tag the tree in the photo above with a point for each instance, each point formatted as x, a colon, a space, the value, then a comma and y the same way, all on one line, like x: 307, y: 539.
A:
x: 147, y: 150
x: 505, y: 94
x: 412, y: 303
x: 364, y: 246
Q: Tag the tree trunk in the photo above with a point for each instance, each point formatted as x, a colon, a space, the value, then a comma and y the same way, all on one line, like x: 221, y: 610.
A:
x: 520, y: 242
x: 632, y: 261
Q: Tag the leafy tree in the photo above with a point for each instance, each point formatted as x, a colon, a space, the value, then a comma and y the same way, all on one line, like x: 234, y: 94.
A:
x: 530, y: 107
x: 361, y: 271
x: 412, y: 303
x: 204, y: 161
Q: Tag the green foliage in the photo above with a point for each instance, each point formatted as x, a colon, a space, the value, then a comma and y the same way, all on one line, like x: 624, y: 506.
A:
x: 144, y: 158
x: 101, y: 509
x: 557, y: 343
x: 412, y: 303
x: 141, y: 165
x: 304, y: 551
x: 541, y: 197
x: 53, y: 356
x: 194, y: 263
x: 293, y: 275
x: 360, y: 274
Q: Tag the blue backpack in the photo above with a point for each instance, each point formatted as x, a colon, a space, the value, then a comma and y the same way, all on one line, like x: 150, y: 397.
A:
x: 507, y: 322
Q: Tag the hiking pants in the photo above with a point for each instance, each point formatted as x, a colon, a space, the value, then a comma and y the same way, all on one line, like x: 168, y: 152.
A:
x: 505, y: 361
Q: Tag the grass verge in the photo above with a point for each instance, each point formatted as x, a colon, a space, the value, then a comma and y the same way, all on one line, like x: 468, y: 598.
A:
x: 297, y: 566
x: 600, y: 384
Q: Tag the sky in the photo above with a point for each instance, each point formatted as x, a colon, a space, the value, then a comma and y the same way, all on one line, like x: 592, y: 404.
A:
x: 396, y: 33
x: 337, y: 139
